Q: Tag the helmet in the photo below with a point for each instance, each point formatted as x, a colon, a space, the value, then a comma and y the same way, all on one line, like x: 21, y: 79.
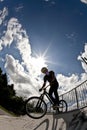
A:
x: 44, y: 70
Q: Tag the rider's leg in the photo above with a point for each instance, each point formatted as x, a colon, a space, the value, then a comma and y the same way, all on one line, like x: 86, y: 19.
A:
x: 51, y: 90
x: 56, y: 96
x: 56, y: 99
x: 54, y: 89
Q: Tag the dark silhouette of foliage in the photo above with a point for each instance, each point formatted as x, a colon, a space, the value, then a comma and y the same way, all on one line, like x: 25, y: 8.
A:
x: 8, y: 98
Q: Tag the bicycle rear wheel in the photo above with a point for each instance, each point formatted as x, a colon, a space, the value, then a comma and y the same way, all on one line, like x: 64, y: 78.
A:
x: 36, y: 107
x: 62, y: 106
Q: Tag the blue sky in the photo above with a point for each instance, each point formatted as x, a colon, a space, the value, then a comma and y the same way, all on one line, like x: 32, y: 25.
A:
x: 54, y: 30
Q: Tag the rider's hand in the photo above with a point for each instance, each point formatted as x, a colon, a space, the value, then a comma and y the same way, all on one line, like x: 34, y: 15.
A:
x: 40, y: 89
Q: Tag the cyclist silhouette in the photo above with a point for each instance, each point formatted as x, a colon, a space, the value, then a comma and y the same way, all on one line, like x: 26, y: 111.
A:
x: 50, y: 77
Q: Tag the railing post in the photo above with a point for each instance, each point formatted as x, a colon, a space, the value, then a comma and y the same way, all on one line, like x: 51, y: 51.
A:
x: 76, y: 98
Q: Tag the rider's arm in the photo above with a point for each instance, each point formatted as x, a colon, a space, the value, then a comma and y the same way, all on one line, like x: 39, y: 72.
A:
x: 42, y: 86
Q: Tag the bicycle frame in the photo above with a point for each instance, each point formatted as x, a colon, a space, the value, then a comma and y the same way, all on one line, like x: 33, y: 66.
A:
x: 39, y: 108
x: 47, y: 95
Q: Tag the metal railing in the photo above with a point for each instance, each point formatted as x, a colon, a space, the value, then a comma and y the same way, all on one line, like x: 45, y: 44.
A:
x: 77, y: 97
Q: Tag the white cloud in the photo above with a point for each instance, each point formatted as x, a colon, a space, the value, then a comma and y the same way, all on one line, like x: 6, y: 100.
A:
x: 72, y: 36
x: 84, y: 54
x: 3, y: 14
x: 1, y: 59
x: 84, y: 1
x: 20, y: 7
x: 46, y: 0
x: 67, y: 83
x: 1, y: 0
x: 7, y: 39
x: 51, y: 2
x: 23, y: 82
x: 24, y: 74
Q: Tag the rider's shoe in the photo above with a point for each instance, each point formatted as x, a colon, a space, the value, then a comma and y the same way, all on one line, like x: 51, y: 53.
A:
x: 55, y: 106
x: 59, y: 112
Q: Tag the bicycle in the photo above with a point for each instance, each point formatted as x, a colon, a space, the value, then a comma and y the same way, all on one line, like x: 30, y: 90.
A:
x: 36, y: 107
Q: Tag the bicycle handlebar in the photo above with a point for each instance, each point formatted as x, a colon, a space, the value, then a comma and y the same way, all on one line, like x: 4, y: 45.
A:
x: 43, y: 88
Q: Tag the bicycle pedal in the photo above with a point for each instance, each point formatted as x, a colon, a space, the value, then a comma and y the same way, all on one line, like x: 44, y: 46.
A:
x: 59, y: 112
x: 55, y: 107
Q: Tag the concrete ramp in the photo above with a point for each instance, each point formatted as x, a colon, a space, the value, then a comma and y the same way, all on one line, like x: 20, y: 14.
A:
x: 74, y: 120
x: 27, y: 123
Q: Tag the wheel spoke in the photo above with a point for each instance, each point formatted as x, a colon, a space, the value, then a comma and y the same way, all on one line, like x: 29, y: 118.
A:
x: 62, y: 106
x: 36, y: 107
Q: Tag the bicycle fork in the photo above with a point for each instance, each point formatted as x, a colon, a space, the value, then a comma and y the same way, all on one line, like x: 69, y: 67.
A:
x: 39, y: 101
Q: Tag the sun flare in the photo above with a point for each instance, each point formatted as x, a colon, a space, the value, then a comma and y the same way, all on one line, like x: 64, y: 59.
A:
x: 41, y: 61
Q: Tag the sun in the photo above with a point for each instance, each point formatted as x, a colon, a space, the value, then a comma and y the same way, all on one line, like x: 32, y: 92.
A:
x: 41, y: 61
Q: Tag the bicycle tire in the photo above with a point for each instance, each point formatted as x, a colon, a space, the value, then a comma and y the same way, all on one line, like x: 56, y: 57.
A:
x: 62, y: 106
x: 35, y: 107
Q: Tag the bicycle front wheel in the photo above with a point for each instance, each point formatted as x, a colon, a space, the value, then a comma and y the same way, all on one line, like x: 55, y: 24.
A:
x: 36, y: 107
